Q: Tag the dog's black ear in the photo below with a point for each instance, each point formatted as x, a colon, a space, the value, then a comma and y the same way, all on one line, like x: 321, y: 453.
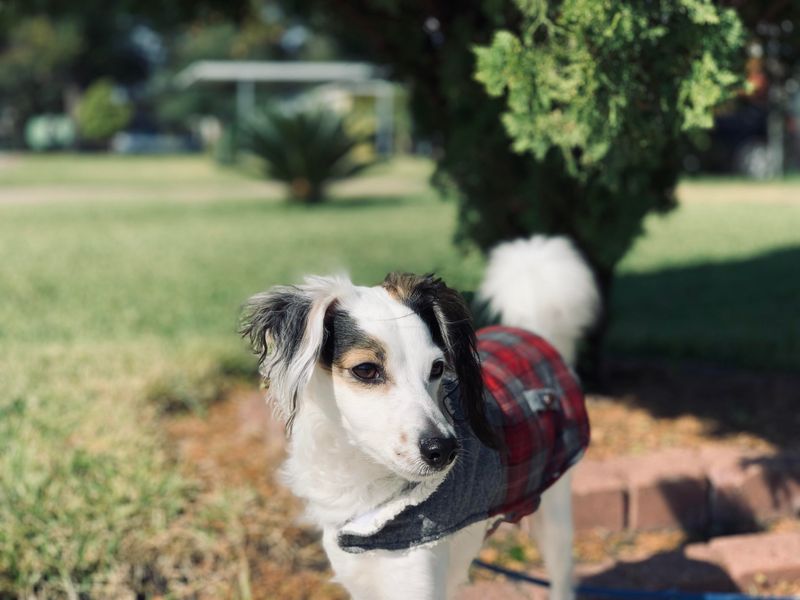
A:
x: 445, y: 313
x: 285, y: 328
x: 275, y: 321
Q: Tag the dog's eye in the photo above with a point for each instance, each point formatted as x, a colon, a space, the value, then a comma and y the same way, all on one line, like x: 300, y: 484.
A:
x: 366, y: 371
x: 437, y: 369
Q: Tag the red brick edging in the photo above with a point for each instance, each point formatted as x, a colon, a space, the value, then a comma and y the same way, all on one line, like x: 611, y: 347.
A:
x: 712, y: 489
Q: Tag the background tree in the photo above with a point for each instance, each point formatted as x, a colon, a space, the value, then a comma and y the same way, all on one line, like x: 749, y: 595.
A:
x: 34, y: 64
x: 210, y: 38
x: 606, y: 92
x: 101, y: 112
x: 577, y: 124
x: 50, y: 51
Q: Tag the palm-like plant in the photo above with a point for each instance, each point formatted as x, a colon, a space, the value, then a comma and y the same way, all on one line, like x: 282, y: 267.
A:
x: 306, y: 150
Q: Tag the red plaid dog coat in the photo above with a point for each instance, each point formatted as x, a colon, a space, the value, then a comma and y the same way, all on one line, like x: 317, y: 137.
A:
x: 535, y: 404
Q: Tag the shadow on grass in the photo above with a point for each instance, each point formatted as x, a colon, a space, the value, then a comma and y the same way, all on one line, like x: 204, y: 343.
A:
x: 734, y: 313
x: 372, y: 201
x: 330, y: 204
x: 742, y: 313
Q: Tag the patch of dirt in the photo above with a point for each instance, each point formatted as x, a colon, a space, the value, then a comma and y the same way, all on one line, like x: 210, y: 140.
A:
x: 235, y: 449
x: 514, y: 548
x: 620, y: 427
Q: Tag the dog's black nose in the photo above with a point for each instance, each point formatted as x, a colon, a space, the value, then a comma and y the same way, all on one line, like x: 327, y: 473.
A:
x: 438, y: 452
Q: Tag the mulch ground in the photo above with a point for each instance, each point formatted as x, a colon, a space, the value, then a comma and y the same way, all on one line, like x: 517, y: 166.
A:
x: 646, y: 407
x: 649, y: 406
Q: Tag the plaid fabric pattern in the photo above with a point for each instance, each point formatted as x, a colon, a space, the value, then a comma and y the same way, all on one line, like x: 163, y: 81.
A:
x: 535, y: 402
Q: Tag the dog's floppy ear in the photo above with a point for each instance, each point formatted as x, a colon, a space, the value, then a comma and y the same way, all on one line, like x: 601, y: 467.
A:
x: 285, y: 328
x: 443, y: 310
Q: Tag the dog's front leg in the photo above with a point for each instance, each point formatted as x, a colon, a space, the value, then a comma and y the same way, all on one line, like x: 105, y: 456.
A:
x: 420, y: 573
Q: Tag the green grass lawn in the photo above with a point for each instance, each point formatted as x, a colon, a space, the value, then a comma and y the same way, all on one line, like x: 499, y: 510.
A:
x: 715, y: 282
x: 70, y: 169
x: 113, y: 309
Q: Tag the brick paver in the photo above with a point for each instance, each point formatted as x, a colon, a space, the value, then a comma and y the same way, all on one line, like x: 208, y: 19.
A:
x: 599, y: 496
x: 713, y: 489
x: 667, y: 489
x: 759, y: 556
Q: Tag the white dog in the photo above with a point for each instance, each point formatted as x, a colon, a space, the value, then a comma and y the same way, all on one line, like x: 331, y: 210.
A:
x: 357, y: 374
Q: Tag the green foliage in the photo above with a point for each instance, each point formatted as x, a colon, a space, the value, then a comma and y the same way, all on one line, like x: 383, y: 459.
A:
x: 34, y: 59
x: 599, y: 97
x: 37, y: 47
x: 604, y: 82
x: 211, y: 40
x: 101, y: 113
x: 307, y: 150
x: 256, y: 35
x: 605, y: 92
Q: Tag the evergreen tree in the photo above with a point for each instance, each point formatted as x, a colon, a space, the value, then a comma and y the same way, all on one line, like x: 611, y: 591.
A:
x: 560, y: 116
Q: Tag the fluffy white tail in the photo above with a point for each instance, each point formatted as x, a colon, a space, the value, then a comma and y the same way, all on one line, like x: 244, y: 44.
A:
x: 542, y: 284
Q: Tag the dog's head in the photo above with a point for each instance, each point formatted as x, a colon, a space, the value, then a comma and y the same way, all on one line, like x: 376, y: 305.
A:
x: 374, y: 358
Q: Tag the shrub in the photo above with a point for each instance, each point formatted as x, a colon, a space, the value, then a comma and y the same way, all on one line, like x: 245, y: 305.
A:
x: 576, y: 121
x: 570, y: 117
x: 605, y: 94
x: 306, y: 150
x: 101, y: 113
